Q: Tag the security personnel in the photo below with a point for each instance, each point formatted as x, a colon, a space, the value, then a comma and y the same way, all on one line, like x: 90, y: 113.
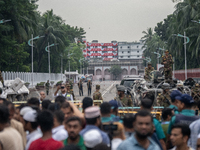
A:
x: 186, y: 115
x: 196, y: 92
x: 173, y: 96
x: 147, y: 71
x: 47, y: 87
x: 89, y: 86
x: 167, y: 61
x: 1, y: 79
x: 122, y: 99
x: 80, y: 86
x: 63, y: 92
x: 164, y: 99
x: 97, y: 95
x: 71, y: 85
x: 69, y: 90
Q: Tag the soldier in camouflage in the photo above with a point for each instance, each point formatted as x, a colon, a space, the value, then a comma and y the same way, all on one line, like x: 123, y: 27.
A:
x: 47, y: 87
x: 164, y: 99
x: 167, y: 61
x: 1, y: 79
x: 97, y: 95
x: 80, y: 86
x: 122, y: 99
x: 69, y: 91
x: 196, y: 92
x: 147, y: 71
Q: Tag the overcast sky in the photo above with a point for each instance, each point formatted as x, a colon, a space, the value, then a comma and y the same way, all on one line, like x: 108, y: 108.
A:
x: 107, y: 20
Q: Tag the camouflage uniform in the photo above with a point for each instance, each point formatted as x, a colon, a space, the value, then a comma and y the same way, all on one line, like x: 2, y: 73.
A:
x: 97, y: 95
x: 71, y: 91
x: 47, y: 87
x: 89, y: 86
x: 71, y: 85
x: 168, y: 66
x: 164, y: 99
x: 147, y: 71
x: 196, y: 92
x: 1, y: 79
x: 80, y: 85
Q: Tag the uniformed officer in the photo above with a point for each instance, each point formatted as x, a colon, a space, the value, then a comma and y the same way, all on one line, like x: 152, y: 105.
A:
x: 89, y: 86
x: 80, y: 86
x: 196, y: 92
x: 69, y: 91
x: 122, y: 99
x: 71, y: 85
x: 97, y: 95
x: 167, y: 61
x: 47, y: 87
x: 63, y: 92
x: 147, y: 71
x: 164, y: 98
x: 1, y: 79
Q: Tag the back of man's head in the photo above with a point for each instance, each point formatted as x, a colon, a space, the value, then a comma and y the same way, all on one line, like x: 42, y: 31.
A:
x: 166, y: 112
x: 45, y: 104
x: 59, y: 115
x: 45, y: 120
x: 33, y: 102
x: 128, y: 121
x: 146, y: 103
x: 4, y: 114
x: 60, y: 100
x: 105, y: 108
x: 87, y: 102
x: 54, y: 107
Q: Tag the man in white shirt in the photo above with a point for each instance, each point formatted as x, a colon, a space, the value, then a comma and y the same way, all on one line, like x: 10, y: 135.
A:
x: 31, y: 126
x: 42, y: 96
x: 64, y: 93
x: 58, y: 132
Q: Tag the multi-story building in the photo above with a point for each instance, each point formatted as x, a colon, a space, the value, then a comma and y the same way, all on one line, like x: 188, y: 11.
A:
x: 130, y: 50
x: 104, y: 51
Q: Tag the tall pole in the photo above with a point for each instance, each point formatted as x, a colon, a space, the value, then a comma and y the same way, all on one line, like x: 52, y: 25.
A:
x: 185, y: 56
x: 69, y: 65
x: 61, y: 67
x: 32, y: 59
x: 174, y: 67
x: 49, y: 60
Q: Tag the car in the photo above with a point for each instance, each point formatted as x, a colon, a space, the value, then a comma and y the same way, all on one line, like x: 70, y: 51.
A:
x: 128, y: 81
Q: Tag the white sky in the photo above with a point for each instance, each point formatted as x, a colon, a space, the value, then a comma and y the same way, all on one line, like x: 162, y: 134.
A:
x: 107, y: 20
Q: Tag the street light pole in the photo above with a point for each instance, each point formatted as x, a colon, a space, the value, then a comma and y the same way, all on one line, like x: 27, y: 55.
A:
x: 32, y: 59
x: 185, y: 55
x: 49, y: 61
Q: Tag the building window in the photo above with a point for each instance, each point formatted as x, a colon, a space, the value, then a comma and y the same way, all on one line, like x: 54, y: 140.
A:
x: 104, y: 46
x: 138, y: 56
x: 122, y: 52
x: 88, y: 46
x: 128, y: 51
x: 128, y: 56
x: 114, y: 46
x: 137, y: 46
x: 128, y: 46
x: 88, y: 51
x: 121, y: 47
x: 138, y: 51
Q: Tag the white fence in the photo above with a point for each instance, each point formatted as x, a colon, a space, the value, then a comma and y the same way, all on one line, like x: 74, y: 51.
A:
x: 37, y: 77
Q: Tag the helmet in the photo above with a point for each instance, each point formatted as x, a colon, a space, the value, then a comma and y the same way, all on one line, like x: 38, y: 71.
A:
x: 97, y: 86
x: 166, y: 51
x: 149, y: 63
x: 196, y: 85
x: 165, y: 86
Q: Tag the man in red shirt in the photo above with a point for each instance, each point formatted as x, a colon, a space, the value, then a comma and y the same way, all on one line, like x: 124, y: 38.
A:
x: 46, y: 142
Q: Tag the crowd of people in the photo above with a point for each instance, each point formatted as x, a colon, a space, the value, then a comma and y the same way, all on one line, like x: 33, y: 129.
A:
x: 41, y: 124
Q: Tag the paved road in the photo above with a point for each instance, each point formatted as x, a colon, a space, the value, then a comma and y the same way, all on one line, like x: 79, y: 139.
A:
x: 108, y: 90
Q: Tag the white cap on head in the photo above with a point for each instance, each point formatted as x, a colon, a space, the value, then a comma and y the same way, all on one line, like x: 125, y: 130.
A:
x: 30, y: 116
x: 92, y: 138
x: 198, y: 136
x: 25, y: 110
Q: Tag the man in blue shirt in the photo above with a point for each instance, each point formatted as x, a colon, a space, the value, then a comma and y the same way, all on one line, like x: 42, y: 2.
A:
x: 143, y: 126
x: 93, y: 121
x: 173, y: 105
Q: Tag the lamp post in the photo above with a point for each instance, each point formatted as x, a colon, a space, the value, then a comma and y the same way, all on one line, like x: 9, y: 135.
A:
x: 47, y: 49
x: 80, y: 64
x: 157, y: 57
x: 69, y: 62
x: 195, y: 21
x: 4, y: 21
x: 31, y: 44
x: 162, y: 49
x: 186, y: 40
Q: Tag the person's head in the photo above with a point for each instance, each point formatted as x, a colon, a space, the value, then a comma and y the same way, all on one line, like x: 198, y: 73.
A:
x: 180, y: 134
x: 17, y: 112
x: 198, y: 142
x: 4, y: 116
x: 97, y: 87
x: 143, y: 124
x: 42, y: 95
x: 166, y: 87
x: 166, y: 52
x: 149, y: 95
x: 62, y: 88
x: 101, y: 146
x: 23, y: 111
x: 11, y: 108
x: 60, y: 100
x: 184, y: 101
x: 92, y: 138
x: 92, y: 116
x: 73, y: 126
x: 54, y: 107
x: 114, y: 107
x: 149, y: 65
x: 128, y: 121
x: 71, y: 147
x: 105, y: 109
x: 45, y: 120
x: 33, y: 102
x: 2, y: 101
x: 87, y: 102
x: 67, y: 110
x: 167, y: 114
x: 119, y: 133
x: 48, y: 81
x: 58, y: 118
x: 67, y: 86
x: 146, y: 104
x: 120, y: 90
x: 31, y: 123
x: 174, y: 94
x: 45, y: 104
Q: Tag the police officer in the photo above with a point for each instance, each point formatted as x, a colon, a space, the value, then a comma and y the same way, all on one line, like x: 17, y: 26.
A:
x: 80, y: 86
x: 196, y: 92
x: 167, y: 61
x: 89, y: 86
x: 173, y: 96
x: 97, y: 95
x: 47, y: 87
x: 1, y: 79
x: 164, y: 98
x: 147, y: 71
x: 63, y: 92
x: 122, y: 99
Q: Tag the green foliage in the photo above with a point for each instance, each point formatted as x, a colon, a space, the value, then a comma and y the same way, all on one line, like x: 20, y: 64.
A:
x: 15, y: 53
x: 177, y: 23
x: 115, y: 71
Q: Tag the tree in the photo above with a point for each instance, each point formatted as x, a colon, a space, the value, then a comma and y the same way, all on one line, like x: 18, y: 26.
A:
x: 115, y: 71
